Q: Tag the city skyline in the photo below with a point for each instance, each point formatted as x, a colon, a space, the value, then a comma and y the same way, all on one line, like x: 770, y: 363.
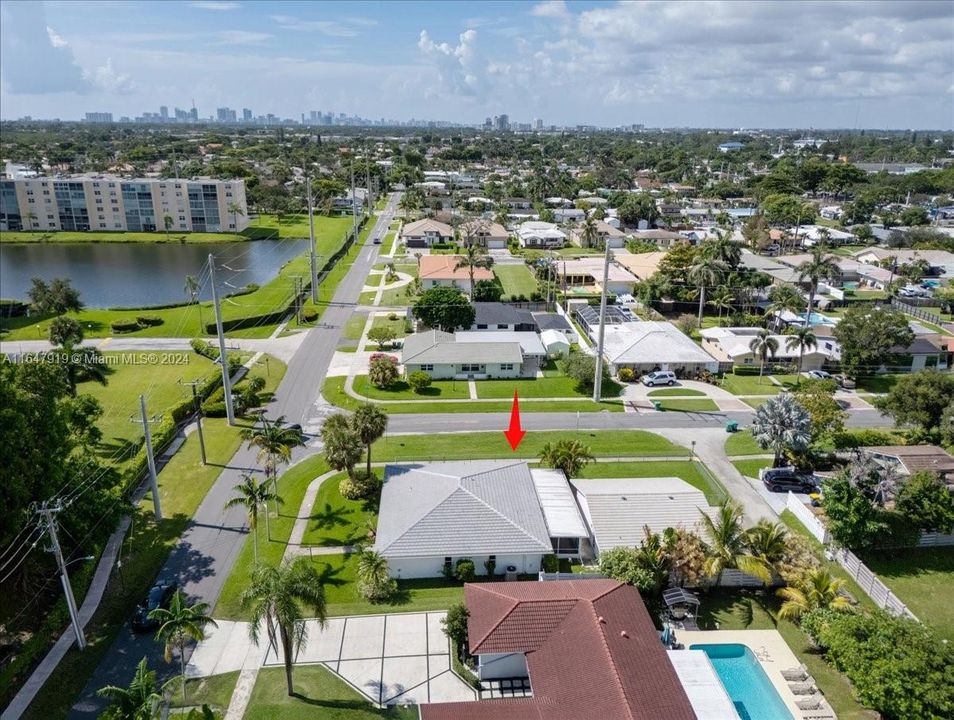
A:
x: 728, y: 65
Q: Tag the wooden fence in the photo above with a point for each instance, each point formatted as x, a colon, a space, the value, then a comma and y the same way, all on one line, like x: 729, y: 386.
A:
x: 869, y: 582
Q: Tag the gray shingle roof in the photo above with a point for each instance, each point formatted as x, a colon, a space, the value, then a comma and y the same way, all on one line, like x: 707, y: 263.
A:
x: 437, y: 347
x: 460, y: 508
x: 494, y: 313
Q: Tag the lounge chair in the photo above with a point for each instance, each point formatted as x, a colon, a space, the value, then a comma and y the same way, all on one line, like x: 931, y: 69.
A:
x: 798, y: 674
x: 812, y: 703
x: 802, y: 688
x: 823, y: 713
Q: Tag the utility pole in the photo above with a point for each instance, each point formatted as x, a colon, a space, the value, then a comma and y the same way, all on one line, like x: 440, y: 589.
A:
x: 223, y: 357
x: 354, y: 207
x: 311, y: 235
x: 598, y: 378
x: 153, y: 478
x: 48, y: 515
x: 198, y: 415
x: 367, y: 169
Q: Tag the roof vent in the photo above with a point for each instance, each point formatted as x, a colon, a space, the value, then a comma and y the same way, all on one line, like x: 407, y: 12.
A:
x: 623, y: 633
x: 602, y: 620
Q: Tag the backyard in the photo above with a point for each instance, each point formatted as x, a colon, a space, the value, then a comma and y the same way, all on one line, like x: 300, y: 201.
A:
x: 516, y: 280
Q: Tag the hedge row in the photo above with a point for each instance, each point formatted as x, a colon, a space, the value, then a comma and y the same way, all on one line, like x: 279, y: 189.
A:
x: 140, y: 322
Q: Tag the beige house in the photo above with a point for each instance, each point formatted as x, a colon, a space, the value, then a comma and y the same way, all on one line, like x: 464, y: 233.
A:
x: 642, y: 265
x: 426, y: 232
x: 442, y: 270
x: 732, y: 345
x: 489, y: 235
x: 604, y: 233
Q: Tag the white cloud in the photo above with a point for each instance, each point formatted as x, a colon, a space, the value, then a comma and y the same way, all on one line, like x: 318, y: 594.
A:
x: 241, y: 37
x: 459, y: 67
x: 325, y: 27
x: 106, y: 78
x: 214, y: 5
x: 551, y: 9
x: 55, y: 40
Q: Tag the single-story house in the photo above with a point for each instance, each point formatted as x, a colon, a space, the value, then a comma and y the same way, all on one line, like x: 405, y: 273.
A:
x: 538, y: 234
x: 347, y: 201
x: 663, y: 238
x: 568, y: 215
x: 426, y: 232
x: 604, y: 233
x: 502, y: 316
x: 486, y: 234
x: 440, y: 355
x: 431, y: 515
x: 941, y: 261
x: 909, y: 459
x: 534, y: 353
x: 617, y: 510
x: 587, y: 273
x: 588, y: 647
x: 555, y: 343
x: 732, y: 345
x: 642, y: 265
x: 517, y: 203
x: 435, y: 270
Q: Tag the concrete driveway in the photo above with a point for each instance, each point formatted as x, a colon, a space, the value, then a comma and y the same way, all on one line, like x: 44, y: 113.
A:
x: 396, y: 659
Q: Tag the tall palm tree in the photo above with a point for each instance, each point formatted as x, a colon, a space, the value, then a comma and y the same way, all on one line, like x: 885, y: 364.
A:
x: 817, y: 590
x: 820, y: 266
x: 589, y: 234
x: 705, y: 272
x: 342, y: 445
x: 369, y: 422
x: 274, y: 442
x: 178, y: 625
x: 252, y: 495
x: 139, y: 701
x: 803, y: 339
x: 567, y: 455
x: 763, y: 345
x: 727, y: 544
x: 722, y: 300
x: 192, y: 288
x: 167, y: 223
x: 275, y: 598
x: 782, y: 298
x: 471, y: 259
x: 724, y: 249
x: 782, y: 424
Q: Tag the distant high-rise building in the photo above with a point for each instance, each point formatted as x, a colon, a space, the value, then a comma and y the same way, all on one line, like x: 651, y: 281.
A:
x: 194, y: 114
x: 488, y: 124
x: 164, y: 112
x: 502, y: 122
x: 538, y: 123
x: 225, y: 114
x: 99, y: 117
x: 246, y: 114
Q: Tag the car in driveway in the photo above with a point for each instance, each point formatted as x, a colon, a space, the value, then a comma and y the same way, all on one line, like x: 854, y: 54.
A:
x: 819, y: 375
x: 160, y: 595
x: 660, y: 377
x: 785, y: 479
x: 845, y: 382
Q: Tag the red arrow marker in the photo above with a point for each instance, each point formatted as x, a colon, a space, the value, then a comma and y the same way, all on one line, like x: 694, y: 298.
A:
x: 514, y: 433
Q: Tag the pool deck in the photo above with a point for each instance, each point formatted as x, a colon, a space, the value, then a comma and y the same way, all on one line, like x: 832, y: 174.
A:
x: 769, y: 647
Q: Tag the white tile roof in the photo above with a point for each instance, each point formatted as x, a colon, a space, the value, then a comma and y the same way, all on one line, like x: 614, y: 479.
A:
x: 651, y: 342
x: 529, y: 341
x: 559, y: 508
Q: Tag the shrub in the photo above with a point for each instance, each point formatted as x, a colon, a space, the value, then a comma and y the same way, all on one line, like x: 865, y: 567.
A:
x: 491, y: 567
x: 362, y: 487
x: 309, y: 314
x: 149, y: 320
x: 124, y: 326
x: 382, y: 335
x: 392, y: 317
x: 626, y: 375
x: 419, y: 380
x: 455, y: 625
x: 382, y: 370
x: 687, y: 323
x: 550, y: 563
x: 626, y: 565
x: 850, y: 439
x: 464, y: 570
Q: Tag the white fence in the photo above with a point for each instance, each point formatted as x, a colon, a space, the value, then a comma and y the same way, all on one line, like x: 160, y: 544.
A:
x: 807, y: 518
x: 933, y: 539
x: 869, y: 582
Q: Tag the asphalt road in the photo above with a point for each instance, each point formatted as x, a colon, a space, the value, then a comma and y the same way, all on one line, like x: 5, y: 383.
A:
x: 207, y: 551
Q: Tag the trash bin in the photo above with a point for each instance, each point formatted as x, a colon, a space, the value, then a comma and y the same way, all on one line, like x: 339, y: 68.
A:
x: 657, y: 405
x: 732, y: 426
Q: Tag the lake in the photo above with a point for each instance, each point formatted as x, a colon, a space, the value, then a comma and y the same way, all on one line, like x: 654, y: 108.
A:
x: 140, y: 274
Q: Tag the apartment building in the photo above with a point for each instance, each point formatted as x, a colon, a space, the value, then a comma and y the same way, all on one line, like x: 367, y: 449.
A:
x: 105, y: 203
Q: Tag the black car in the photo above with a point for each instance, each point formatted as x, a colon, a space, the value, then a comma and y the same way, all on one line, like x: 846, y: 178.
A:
x: 785, y: 479
x: 159, y: 595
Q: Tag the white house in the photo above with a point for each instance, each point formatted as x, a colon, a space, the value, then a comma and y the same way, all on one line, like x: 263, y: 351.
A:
x: 538, y: 234
x: 732, y: 345
x: 555, y: 343
x: 441, y: 356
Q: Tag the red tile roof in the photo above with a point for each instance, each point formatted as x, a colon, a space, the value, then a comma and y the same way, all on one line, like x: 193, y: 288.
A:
x: 592, y: 653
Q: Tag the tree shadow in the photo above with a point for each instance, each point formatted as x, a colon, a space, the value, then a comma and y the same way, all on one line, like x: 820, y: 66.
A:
x: 331, y: 517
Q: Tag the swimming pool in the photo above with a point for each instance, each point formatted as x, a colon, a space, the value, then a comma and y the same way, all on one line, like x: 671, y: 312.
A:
x: 817, y: 319
x: 753, y: 694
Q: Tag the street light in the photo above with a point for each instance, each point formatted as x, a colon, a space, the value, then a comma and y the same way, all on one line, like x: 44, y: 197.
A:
x: 692, y: 451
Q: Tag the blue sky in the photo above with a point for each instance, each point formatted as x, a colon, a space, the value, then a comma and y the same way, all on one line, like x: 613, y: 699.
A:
x: 741, y: 64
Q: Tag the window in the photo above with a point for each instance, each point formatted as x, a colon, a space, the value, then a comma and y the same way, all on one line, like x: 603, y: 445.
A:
x: 502, y: 326
x: 470, y: 367
x: 481, y: 327
x: 506, y: 366
x: 930, y: 361
x: 427, y: 368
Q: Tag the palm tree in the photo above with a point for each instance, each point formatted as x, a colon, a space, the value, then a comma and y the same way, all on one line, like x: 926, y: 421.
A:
x: 30, y: 218
x: 724, y: 249
x: 567, y: 455
x: 782, y: 424
x: 817, y: 590
x: 473, y: 259
x: 139, y: 701
x: 373, y: 576
x: 589, y: 234
x: 167, y: 222
x: 178, y: 625
x: 705, y: 272
x: 763, y: 345
x: 782, y: 298
x: 84, y: 362
x: 722, y: 300
x: 274, y: 442
x: 236, y: 209
x: 767, y: 541
x: 727, y: 544
x: 192, y: 288
x: 252, y: 495
x: 275, y: 598
x: 342, y: 445
x: 818, y: 267
x: 369, y: 422
x: 804, y: 339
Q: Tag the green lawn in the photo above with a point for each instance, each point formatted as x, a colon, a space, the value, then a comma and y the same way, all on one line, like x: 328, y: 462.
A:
x: 758, y: 610
x: 877, y: 383
x: 354, y: 327
x: 154, y: 374
x: 924, y: 580
x: 400, y: 390
x: 553, y: 386
x: 397, y: 325
x: 676, y: 392
x: 373, y: 280
x: 742, y: 443
x: 750, y: 468
x: 678, y: 405
x: 214, y: 691
x: 516, y: 279
x: 335, y: 520
x: 690, y: 471
x: 318, y: 695
x: 333, y: 391
x: 395, y: 297
x: 750, y: 385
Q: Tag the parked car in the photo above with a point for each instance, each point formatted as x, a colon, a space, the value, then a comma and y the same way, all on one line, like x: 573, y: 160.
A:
x: 845, y: 382
x: 159, y: 596
x: 660, y: 377
x: 377, y: 241
x: 819, y: 375
x: 784, y: 479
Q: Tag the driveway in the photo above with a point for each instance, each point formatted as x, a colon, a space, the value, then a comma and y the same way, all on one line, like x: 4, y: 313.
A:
x: 397, y: 659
